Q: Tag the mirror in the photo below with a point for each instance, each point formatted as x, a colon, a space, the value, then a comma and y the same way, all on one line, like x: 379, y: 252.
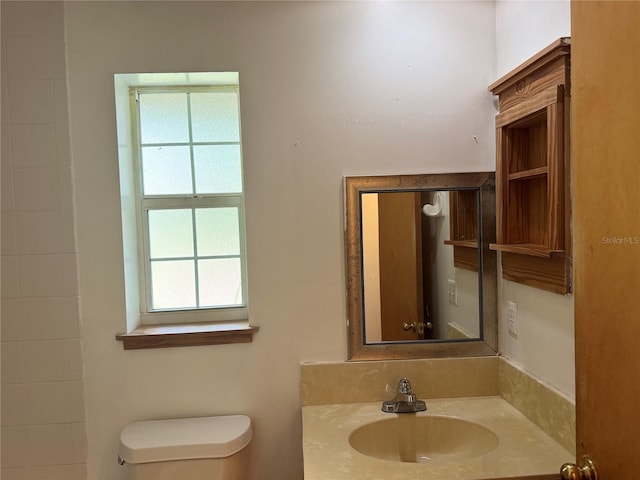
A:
x: 421, y: 278
x: 420, y: 265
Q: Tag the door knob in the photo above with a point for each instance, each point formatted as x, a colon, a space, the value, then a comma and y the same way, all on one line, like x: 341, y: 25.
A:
x: 417, y: 327
x: 586, y: 471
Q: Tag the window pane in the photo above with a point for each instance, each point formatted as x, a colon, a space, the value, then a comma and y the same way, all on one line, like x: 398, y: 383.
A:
x: 173, y: 284
x: 220, y: 282
x: 218, y: 169
x: 190, y: 169
x: 163, y: 118
x: 214, y: 117
x: 166, y: 170
x: 170, y: 233
x: 218, y: 231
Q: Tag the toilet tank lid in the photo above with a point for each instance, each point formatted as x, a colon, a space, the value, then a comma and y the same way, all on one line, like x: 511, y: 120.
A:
x: 184, y: 438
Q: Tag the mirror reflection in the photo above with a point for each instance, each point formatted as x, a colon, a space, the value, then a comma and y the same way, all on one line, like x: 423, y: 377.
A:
x: 421, y: 277
x: 420, y: 265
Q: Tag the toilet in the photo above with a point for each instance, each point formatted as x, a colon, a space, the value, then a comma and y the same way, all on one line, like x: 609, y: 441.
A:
x: 203, y: 448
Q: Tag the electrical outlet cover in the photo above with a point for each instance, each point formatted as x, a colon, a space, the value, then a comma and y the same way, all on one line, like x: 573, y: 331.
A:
x: 452, y: 291
x: 512, y: 318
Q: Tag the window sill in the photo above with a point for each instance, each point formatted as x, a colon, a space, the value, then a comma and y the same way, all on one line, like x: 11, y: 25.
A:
x: 187, y: 335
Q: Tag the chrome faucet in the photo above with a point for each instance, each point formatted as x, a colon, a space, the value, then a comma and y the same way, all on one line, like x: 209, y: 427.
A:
x: 405, y: 401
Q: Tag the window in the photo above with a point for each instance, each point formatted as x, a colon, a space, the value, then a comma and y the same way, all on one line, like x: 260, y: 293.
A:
x: 186, y: 162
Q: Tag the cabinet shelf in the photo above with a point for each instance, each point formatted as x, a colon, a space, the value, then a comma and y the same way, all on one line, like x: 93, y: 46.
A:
x: 529, y: 249
x: 528, y: 174
x: 462, y: 243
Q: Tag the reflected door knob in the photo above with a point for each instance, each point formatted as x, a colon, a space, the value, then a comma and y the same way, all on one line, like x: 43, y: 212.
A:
x: 586, y: 471
x: 416, y: 327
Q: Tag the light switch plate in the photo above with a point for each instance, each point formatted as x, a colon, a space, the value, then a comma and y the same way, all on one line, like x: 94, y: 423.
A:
x: 452, y: 290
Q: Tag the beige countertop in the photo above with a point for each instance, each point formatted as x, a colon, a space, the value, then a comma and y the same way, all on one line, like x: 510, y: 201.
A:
x: 523, y: 448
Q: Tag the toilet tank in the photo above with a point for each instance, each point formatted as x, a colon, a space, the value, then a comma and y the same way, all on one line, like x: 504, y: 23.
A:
x: 202, y: 448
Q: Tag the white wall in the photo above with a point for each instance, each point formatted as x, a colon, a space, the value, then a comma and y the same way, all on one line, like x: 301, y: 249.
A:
x: 327, y: 89
x: 43, y: 429
x: 545, y: 344
x: 524, y: 27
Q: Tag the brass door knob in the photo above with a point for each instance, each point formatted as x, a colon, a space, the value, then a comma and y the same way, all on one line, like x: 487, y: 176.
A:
x: 416, y: 327
x: 586, y: 471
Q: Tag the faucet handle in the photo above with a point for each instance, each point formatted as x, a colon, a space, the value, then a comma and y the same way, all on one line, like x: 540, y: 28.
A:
x: 404, y: 386
x: 405, y: 400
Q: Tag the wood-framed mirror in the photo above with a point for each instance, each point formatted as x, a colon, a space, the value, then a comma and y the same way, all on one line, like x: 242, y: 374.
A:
x: 421, y: 279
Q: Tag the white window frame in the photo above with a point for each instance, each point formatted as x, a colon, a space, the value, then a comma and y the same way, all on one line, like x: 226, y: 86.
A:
x: 149, y: 202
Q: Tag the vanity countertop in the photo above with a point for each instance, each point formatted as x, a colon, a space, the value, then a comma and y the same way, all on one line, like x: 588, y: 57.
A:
x: 523, y: 448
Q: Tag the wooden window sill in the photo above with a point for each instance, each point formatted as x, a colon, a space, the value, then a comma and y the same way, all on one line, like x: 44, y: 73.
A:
x: 187, y: 335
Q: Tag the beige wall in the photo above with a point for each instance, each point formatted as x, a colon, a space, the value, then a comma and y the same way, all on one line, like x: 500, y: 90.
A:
x: 544, y: 346
x: 327, y: 89
x: 43, y: 430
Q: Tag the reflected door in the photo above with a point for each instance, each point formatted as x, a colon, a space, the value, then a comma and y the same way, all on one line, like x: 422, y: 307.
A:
x: 400, y: 256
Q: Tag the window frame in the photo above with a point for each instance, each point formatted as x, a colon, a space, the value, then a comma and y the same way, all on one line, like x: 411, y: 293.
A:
x: 146, y: 203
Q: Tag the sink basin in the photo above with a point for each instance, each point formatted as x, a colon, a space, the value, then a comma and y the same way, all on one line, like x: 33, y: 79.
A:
x: 423, y: 439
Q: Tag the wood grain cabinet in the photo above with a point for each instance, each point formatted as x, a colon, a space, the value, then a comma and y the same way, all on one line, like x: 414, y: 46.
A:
x: 463, y: 228
x: 533, y: 170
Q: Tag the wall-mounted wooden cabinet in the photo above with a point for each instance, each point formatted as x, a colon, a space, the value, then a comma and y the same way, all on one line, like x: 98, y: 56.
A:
x: 532, y: 170
x: 463, y: 228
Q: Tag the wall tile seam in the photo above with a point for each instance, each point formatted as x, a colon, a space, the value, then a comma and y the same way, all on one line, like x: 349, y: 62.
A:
x: 37, y: 168
x: 51, y: 122
x: 47, y: 339
x: 41, y: 424
x: 51, y: 465
x: 51, y: 340
x: 48, y: 465
x: 30, y: 468
x: 38, y: 297
x: 52, y: 166
x: 32, y: 254
x: 66, y: 254
x: 19, y: 297
x: 28, y: 35
x: 46, y: 382
x: 22, y: 168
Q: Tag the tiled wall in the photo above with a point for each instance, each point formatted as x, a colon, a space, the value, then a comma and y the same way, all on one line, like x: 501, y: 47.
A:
x: 43, y: 429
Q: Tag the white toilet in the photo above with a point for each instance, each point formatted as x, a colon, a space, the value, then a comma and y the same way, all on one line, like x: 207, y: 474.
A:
x: 204, y: 448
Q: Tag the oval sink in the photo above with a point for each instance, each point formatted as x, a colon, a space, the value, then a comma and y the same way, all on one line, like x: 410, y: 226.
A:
x: 409, y: 438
